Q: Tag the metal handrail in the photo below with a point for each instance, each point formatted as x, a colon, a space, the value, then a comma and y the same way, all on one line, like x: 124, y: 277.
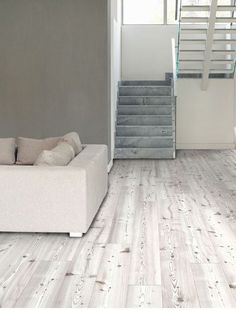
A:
x: 231, y: 25
x: 174, y: 66
x: 176, y: 9
x: 178, y: 14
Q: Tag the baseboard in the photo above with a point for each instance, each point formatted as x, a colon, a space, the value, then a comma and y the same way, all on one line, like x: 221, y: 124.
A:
x: 110, y: 165
x: 205, y: 146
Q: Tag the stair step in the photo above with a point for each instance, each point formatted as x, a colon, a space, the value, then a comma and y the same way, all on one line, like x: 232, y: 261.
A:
x: 144, y: 109
x: 189, y: 30
x: 190, y: 70
x: 195, y: 8
x: 144, y: 120
x: 145, y: 100
x: 215, y: 71
x: 191, y: 60
x: 222, y: 61
x: 194, y: 20
x: 193, y: 41
x: 145, y: 83
x: 225, y: 30
x: 206, y: 8
x: 228, y: 8
x: 213, y: 61
x: 221, y: 70
x: 144, y: 142
x: 193, y: 31
x: 204, y: 20
x: 143, y: 153
x: 224, y: 41
x: 143, y: 131
x: 221, y: 51
x: 223, y: 20
x: 144, y: 90
x: 224, y: 51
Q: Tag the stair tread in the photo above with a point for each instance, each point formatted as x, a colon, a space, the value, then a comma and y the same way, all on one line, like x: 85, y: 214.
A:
x: 154, y: 126
x: 146, y: 137
x: 146, y: 86
x: 149, y: 115
x: 145, y: 148
x: 201, y: 51
x: 145, y: 82
x: 143, y: 105
x: 142, y: 153
x: 145, y: 96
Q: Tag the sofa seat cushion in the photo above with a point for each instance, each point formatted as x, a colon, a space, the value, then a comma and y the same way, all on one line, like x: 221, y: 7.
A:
x: 74, y: 140
x: 29, y: 149
x: 61, y: 155
x: 7, y: 151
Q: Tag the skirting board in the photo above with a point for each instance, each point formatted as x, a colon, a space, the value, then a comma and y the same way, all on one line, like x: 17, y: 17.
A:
x: 110, y: 165
x: 205, y: 146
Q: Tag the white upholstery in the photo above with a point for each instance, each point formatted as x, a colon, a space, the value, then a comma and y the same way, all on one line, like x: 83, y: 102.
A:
x: 7, y: 151
x: 29, y: 149
x: 60, y: 155
x: 74, y: 140
x: 54, y: 199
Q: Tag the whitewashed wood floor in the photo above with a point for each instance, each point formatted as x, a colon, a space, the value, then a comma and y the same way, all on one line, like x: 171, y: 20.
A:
x: 164, y: 237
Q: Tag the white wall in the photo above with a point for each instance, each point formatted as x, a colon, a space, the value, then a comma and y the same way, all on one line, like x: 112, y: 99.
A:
x: 115, y: 45
x: 205, y: 119
x: 146, y: 51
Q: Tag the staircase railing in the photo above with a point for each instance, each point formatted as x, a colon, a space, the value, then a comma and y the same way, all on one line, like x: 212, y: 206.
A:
x: 211, y: 56
x: 231, y: 26
x: 174, y: 67
x: 177, y: 17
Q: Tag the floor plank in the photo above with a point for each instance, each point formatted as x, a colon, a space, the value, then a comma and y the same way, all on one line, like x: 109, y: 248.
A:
x: 165, y: 236
x: 144, y: 297
x: 212, y: 288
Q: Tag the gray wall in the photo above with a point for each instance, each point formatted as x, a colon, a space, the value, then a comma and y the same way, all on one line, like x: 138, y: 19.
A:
x: 54, y: 72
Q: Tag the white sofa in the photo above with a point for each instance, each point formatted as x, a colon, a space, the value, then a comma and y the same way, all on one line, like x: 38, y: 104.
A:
x: 54, y: 199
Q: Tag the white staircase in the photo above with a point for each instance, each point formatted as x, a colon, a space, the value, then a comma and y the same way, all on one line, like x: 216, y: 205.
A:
x: 207, y: 40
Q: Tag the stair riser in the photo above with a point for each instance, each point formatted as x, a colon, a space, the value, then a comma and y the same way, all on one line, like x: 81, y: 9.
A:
x: 145, y: 100
x: 144, y: 120
x: 143, y: 131
x: 145, y: 83
x: 144, y: 153
x: 148, y: 142
x: 144, y: 110
x: 144, y: 91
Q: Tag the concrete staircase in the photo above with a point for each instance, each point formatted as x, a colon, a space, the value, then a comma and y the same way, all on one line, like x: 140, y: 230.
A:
x: 145, y: 126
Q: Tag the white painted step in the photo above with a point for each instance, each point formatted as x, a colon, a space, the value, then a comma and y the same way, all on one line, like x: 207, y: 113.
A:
x: 206, y: 8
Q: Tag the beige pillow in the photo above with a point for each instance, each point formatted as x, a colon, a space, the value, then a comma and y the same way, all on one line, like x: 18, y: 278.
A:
x: 61, y: 155
x: 7, y: 151
x: 74, y: 140
x: 29, y: 149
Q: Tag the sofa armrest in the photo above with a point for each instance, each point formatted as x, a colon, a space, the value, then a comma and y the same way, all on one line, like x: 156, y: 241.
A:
x: 89, y: 154
x: 93, y: 159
